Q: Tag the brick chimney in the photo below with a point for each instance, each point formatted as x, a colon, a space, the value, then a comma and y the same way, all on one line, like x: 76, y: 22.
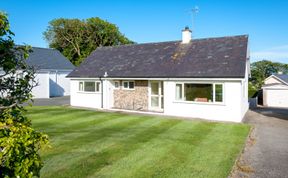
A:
x: 186, y: 35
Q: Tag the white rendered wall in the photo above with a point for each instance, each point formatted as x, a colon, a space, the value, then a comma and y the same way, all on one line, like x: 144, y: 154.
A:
x: 245, y: 99
x: 84, y: 99
x: 64, y: 82
x: 42, y: 90
x: 275, y: 95
x: 108, y: 97
x: 272, y: 80
x: 233, y: 108
x: 230, y: 110
x: 59, y: 84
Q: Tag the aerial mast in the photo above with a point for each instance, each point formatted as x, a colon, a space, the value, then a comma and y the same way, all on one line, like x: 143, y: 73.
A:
x: 194, y: 11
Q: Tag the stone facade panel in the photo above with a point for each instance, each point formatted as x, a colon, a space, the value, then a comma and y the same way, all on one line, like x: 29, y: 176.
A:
x: 135, y: 99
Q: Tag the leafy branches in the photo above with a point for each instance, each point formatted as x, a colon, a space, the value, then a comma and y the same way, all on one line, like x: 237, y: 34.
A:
x: 76, y: 39
x: 262, y: 69
x: 19, y: 143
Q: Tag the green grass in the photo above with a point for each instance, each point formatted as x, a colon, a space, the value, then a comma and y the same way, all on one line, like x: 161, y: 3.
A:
x: 97, y: 144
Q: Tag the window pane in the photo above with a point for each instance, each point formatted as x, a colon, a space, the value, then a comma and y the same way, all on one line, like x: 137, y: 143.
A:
x: 125, y: 84
x: 154, y: 88
x: 98, y: 86
x: 162, y: 89
x: 116, y: 84
x: 89, y: 86
x: 162, y: 102
x: 178, y: 91
x: 198, y: 92
x: 219, y: 93
x: 131, y: 85
x: 80, y: 86
x: 155, y: 101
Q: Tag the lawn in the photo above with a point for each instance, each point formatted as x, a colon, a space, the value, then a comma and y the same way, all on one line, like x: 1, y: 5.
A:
x: 88, y: 143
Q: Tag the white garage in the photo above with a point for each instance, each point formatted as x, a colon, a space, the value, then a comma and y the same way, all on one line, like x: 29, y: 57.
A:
x: 275, y: 91
x: 51, y: 71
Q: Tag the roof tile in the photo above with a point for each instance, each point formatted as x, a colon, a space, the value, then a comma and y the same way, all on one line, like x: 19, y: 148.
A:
x: 47, y: 58
x: 211, y: 57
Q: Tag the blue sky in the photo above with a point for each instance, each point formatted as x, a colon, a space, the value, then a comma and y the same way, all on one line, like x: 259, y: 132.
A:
x: 152, y: 21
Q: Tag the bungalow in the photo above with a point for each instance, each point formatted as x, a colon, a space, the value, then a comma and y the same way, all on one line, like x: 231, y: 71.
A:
x: 51, y: 71
x: 200, y: 78
x: 275, y: 91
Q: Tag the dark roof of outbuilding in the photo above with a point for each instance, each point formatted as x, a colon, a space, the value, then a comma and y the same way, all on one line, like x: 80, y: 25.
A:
x: 211, y: 57
x: 47, y: 58
x: 283, y: 77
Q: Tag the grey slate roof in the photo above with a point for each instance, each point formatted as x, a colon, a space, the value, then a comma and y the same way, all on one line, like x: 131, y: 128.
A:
x: 205, y: 58
x: 47, y: 58
x: 283, y: 77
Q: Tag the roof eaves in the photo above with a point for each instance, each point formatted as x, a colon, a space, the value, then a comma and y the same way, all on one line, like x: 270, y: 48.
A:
x: 277, y: 77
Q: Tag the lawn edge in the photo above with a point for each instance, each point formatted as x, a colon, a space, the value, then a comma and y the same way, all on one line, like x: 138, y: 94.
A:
x: 240, y: 167
x: 154, y: 114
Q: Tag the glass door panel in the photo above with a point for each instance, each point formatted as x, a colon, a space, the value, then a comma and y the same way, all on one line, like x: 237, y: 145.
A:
x: 156, y: 100
x: 154, y: 88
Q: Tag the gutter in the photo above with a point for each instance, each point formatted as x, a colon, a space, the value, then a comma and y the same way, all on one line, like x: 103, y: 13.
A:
x: 168, y: 79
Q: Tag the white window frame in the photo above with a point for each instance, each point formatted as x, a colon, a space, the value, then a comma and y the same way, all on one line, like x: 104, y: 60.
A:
x: 81, y: 89
x: 198, y: 102
x: 214, y: 93
x: 160, y: 95
x: 128, y: 81
x: 97, y: 83
x: 117, y: 88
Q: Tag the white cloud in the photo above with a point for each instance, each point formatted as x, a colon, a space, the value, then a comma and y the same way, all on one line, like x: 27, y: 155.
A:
x: 279, y: 54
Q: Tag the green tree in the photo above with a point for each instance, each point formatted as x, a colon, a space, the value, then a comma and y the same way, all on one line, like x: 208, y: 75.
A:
x: 19, y: 142
x: 76, y: 39
x: 262, y: 69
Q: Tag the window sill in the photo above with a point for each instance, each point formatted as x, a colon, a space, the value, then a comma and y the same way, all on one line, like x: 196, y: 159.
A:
x: 128, y: 89
x: 156, y: 109
x: 88, y: 92
x: 202, y: 103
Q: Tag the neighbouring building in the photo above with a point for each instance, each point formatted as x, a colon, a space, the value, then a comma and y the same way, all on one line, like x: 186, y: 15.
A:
x: 51, y: 71
x: 275, y: 91
x: 199, y: 78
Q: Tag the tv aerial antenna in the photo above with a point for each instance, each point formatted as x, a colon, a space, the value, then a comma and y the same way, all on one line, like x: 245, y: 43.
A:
x: 194, y: 11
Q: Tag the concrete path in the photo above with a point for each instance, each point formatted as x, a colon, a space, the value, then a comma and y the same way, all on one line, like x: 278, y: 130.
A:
x: 268, y: 154
x: 56, y: 101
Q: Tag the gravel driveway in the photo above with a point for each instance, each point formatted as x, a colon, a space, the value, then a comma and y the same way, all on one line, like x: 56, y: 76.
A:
x: 268, y: 155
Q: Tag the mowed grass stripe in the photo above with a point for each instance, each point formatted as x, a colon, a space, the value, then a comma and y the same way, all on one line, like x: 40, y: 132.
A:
x: 89, y: 163
x: 85, y: 150
x: 111, y: 127
x: 147, y: 161
x: 66, y: 132
x: 214, y: 156
x: 36, y: 111
x: 121, y: 145
x: 63, y: 115
x: 75, y: 122
x: 99, y: 160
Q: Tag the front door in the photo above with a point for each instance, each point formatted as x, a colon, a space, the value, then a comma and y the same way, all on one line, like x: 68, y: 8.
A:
x: 156, y: 95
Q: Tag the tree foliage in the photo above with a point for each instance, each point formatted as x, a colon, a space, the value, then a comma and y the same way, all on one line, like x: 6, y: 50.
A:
x: 76, y: 39
x: 262, y: 69
x: 19, y: 143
